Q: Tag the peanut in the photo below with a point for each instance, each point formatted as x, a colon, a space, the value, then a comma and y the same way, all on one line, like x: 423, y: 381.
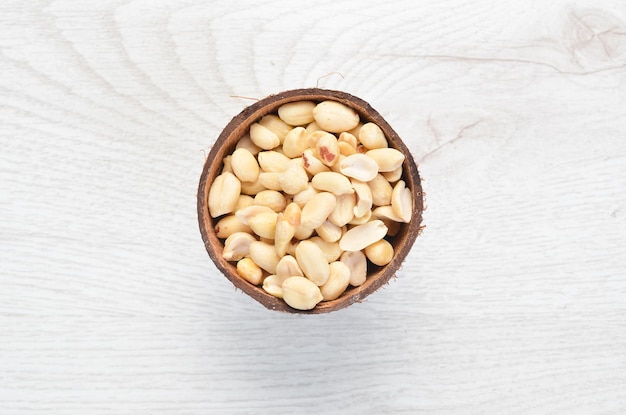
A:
x: 243, y: 202
x: 263, y: 137
x: 303, y: 232
x: 388, y: 159
x: 293, y: 214
x: 364, y: 198
x: 264, y: 255
x: 245, y: 214
x: 273, y: 161
x: 402, y: 201
x: 348, y: 138
x: 381, y: 190
x: 338, y: 281
x: 295, y: 142
x: 361, y: 236
x: 363, y: 219
x: 312, y: 261
x: 276, y: 125
x: 393, y: 227
x: 312, y: 127
x: 252, y: 188
x: 371, y: 136
x: 301, y: 198
x: 228, y: 225
x: 272, y: 199
x: 316, y: 211
x: 386, y: 212
x: 273, y: 285
x: 269, y: 180
x: 237, y: 246
x: 357, y: 264
x: 312, y: 164
x: 228, y: 167
x: 288, y: 267
x: 246, y: 142
x: 330, y: 249
x: 300, y: 293
x: 244, y: 165
x: 223, y: 194
x: 264, y: 224
x: 291, y: 248
x: 344, y: 209
x: 379, y: 253
x: 355, y: 131
x: 346, y: 149
x: 335, y: 117
x: 326, y: 147
x: 329, y: 231
x: 393, y: 176
x: 293, y: 180
x: 330, y: 181
x: 284, y: 232
x: 297, y: 113
x: 336, y: 167
x: 359, y: 166
x: 249, y: 271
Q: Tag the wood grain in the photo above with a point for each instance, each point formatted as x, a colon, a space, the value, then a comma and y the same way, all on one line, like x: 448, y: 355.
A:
x: 513, y: 301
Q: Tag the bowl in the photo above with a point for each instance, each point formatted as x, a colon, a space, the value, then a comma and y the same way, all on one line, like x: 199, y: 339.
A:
x: 225, y: 145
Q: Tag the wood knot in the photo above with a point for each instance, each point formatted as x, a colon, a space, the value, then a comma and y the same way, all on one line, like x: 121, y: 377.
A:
x: 596, y: 38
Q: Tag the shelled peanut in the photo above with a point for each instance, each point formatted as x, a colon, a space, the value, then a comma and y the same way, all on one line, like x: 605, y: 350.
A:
x: 306, y: 201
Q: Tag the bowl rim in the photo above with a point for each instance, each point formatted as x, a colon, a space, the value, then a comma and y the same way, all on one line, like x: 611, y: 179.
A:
x: 224, y: 145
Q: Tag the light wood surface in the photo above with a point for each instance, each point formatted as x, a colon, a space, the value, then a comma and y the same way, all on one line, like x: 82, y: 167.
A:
x: 513, y: 300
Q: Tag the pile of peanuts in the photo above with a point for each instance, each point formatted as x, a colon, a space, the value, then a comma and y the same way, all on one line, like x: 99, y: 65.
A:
x: 307, y: 199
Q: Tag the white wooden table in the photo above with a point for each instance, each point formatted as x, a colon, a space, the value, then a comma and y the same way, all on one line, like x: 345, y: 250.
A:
x: 513, y: 301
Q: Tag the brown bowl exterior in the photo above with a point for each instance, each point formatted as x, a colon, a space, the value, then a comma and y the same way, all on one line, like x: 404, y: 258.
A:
x: 225, y: 145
